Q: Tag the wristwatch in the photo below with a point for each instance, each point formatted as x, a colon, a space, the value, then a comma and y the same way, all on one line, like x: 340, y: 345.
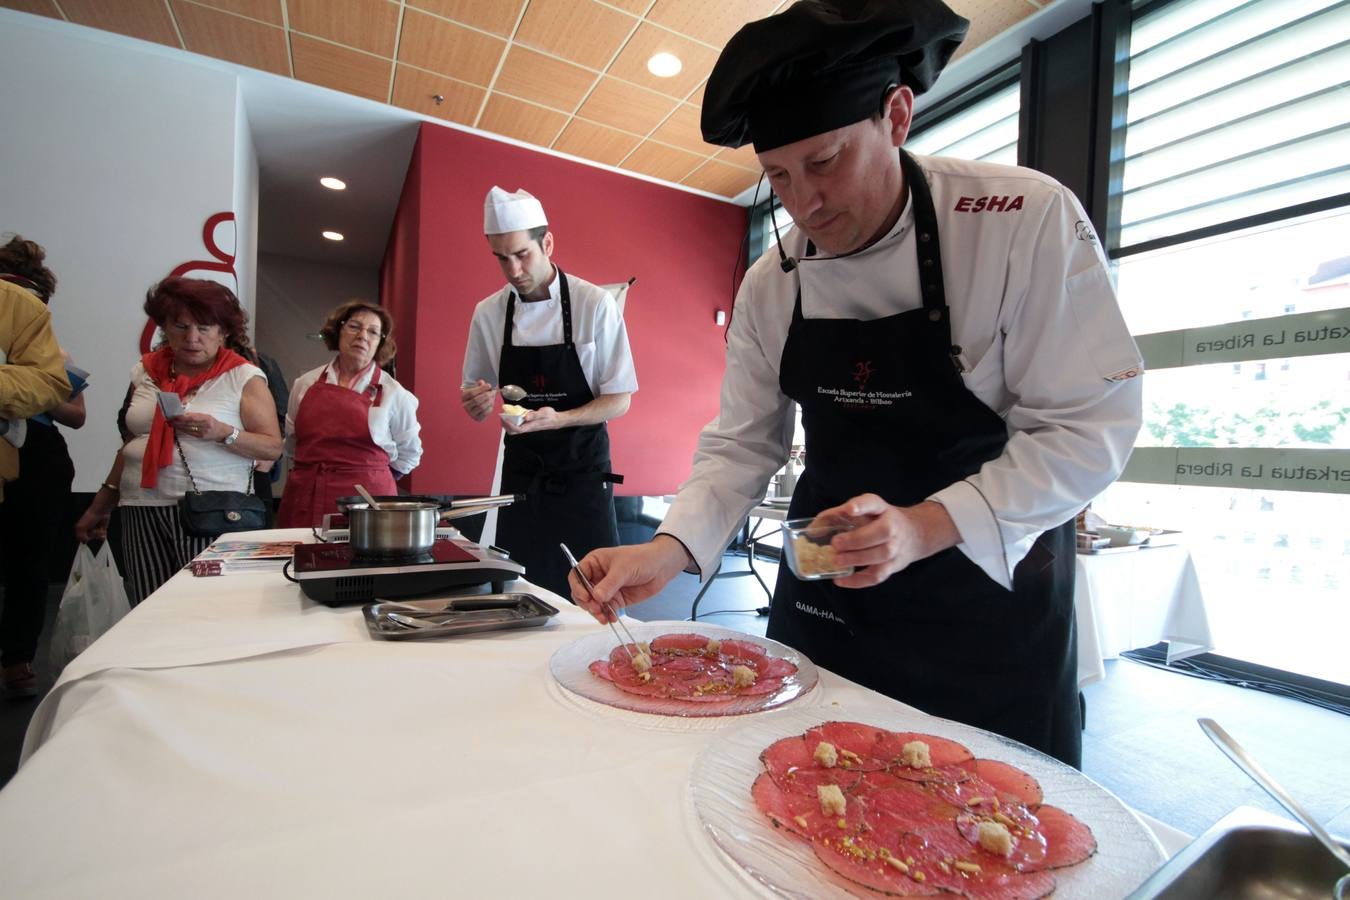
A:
x: 234, y: 436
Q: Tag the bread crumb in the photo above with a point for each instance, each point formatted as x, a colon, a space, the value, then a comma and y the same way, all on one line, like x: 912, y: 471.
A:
x: 813, y: 558
x: 825, y: 755
x: 832, y: 802
x: 995, y: 837
x: 742, y: 676
x: 713, y: 648
x: 915, y: 755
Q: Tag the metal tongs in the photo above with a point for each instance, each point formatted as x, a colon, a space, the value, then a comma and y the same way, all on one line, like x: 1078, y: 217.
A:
x: 590, y: 589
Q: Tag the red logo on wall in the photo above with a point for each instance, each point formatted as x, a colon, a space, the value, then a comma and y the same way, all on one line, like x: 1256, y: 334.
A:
x: 222, y: 262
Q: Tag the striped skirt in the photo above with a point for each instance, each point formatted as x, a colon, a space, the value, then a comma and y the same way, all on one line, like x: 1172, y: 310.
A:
x: 154, y: 547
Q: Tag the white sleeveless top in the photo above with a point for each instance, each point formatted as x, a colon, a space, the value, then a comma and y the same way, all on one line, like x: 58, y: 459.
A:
x: 214, y: 467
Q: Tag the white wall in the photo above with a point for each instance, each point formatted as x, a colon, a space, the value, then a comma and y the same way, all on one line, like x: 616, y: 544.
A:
x: 114, y: 155
x: 245, y: 205
x: 294, y: 298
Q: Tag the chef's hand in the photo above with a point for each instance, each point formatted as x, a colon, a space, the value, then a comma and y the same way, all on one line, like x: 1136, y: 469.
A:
x: 545, y: 418
x: 202, y: 426
x: 623, y: 576
x: 887, y: 538
x: 477, y: 399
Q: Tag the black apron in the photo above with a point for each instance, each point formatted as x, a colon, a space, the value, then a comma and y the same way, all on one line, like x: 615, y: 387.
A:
x: 564, y: 473
x: 885, y: 411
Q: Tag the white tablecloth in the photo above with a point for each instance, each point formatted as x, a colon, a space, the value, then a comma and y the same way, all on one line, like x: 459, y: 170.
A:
x: 1136, y: 598
x: 343, y: 766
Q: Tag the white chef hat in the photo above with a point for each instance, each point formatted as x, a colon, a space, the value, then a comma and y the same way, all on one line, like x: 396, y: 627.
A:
x: 504, y: 212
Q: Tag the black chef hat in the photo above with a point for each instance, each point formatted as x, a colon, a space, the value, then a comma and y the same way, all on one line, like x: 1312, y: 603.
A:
x: 824, y: 64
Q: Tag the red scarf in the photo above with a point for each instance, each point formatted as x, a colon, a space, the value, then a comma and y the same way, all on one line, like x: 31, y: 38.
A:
x: 158, y: 365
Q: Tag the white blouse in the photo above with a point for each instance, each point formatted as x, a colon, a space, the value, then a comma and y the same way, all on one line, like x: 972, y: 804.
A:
x: 1043, y: 341
x: 214, y: 467
x: 393, y: 424
x: 597, y: 331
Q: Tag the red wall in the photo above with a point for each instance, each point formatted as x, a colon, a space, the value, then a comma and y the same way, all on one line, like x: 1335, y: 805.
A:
x: 607, y: 227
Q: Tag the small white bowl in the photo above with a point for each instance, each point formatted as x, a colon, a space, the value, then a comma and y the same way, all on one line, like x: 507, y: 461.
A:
x: 512, y: 420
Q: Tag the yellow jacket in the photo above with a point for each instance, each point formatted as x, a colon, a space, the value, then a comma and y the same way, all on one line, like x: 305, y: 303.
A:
x: 32, y: 374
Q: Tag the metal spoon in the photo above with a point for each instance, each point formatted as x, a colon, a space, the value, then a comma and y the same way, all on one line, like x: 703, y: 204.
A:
x: 366, y: 496
x: 1233, y: 750
x: 513, y: 393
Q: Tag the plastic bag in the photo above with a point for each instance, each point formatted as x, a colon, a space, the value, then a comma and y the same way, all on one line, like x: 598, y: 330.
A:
x: 94, y: 600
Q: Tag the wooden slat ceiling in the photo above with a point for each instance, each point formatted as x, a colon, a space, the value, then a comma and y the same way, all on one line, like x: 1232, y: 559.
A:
x: 570, y: 75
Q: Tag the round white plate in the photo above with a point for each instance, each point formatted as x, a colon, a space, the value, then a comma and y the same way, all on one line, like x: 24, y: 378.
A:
x: 570, y: 666
x: 784, y: 864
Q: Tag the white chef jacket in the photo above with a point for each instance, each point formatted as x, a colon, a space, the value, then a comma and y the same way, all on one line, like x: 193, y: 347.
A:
x: 393, y: 424
x: 597, y: 331
x: 1043, y: 343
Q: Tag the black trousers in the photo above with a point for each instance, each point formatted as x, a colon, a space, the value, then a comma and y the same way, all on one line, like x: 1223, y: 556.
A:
x: 35, y: 509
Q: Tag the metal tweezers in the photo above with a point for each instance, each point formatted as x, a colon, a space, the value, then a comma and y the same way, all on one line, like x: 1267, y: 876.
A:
x: 590, y: 589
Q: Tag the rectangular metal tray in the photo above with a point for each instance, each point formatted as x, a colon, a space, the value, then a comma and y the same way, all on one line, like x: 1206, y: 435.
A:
x: 460, y: 615
x: 1249, y: 854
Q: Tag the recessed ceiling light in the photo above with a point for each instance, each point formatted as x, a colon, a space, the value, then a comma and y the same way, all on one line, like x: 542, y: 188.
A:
x: 333, y: 184
x: 664, y: 65
x: 333, y: 235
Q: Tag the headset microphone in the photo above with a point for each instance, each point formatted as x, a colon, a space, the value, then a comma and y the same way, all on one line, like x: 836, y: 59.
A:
x: 785, y: 262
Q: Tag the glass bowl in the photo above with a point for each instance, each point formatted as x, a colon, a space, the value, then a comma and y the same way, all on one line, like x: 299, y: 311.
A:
x: 806, y: 545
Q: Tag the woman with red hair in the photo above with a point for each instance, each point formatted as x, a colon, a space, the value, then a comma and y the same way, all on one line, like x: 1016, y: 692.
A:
x: 228, y: 424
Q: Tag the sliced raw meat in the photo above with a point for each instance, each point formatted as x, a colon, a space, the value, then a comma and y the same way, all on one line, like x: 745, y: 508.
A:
x: 801, y: 814
x: 1067, y: 839
x: 864, y: 741
x: 793, y: 767
x: 776, y: 667
x: 917, y: 830
x: 859, y: 860
x: 682, y: 668
x: 679, y: 643
x: 941, y: 751
x: 1010, y: 782
x: 953, y: 774
x: 1028, y: 843
x: 601, y: 668
x: 742, y: 650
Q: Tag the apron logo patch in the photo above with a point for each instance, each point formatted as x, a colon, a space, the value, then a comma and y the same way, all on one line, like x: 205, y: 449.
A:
x: 1125, y: 374
x: 819, y: 613
x: 994, y: 203
x: 862, y: 371
x: 1083, y: 231
x: 538, y: 382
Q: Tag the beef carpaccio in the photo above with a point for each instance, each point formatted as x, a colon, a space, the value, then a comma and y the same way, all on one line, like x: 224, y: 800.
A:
x: 910, y: 814
x: 694, y: 668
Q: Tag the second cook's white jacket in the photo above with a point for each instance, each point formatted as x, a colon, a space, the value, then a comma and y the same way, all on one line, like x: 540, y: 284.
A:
x: 1044, y: 345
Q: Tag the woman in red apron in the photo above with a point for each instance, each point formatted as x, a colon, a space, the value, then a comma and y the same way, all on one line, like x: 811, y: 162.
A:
x: 349, y: 422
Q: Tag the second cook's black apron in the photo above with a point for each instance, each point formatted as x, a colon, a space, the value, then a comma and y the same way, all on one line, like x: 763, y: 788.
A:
x: 564, y: 472
x: 885, y: 411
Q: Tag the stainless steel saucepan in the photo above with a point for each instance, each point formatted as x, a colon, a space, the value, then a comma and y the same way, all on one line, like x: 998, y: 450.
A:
x: 406, y: 526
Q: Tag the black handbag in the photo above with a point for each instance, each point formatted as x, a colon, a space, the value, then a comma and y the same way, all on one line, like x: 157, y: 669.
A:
x: 210, y: 514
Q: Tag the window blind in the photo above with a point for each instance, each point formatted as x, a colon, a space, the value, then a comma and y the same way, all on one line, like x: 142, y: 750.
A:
x: 1235, y: 109
x: 986, y: 130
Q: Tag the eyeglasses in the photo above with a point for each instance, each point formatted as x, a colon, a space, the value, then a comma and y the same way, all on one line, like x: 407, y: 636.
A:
x: 351, y: 326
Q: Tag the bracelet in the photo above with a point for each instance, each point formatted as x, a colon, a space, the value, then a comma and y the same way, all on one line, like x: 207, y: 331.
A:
x: 112, y: 487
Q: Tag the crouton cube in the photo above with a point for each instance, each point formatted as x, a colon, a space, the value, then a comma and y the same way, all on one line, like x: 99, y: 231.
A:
x: 995, y: 837
x: 832, y: 802
x: 915, y: 755
x: 825, y: 755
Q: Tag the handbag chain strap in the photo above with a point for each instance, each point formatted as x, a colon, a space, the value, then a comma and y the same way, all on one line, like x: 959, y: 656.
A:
x: 188, y: 469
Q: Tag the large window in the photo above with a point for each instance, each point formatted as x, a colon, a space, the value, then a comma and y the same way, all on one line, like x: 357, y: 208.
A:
x: 1233, y: 270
